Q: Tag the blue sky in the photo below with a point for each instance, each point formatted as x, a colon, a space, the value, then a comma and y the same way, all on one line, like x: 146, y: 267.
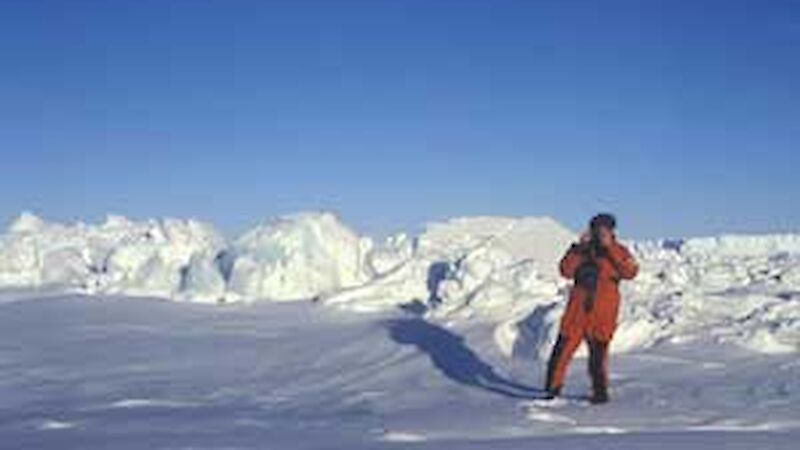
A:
x: 683, y: 117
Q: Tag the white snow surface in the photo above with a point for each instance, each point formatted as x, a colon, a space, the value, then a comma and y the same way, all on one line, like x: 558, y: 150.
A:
x: 297, y: 258
x: 466, y: 266
x: 105, y: 372
x: 743, y: 290
x: 152, y: 257
x: 448, y: 351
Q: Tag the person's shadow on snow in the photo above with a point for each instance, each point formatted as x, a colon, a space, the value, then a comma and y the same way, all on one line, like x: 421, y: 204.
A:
x: 454, y: 359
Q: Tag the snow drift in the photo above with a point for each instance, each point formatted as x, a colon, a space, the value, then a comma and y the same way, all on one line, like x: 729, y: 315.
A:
x: 730, y: 289
x: 167, y: 258
x: 297, y: 257
x: 733, y: 289
x: 483, y: 265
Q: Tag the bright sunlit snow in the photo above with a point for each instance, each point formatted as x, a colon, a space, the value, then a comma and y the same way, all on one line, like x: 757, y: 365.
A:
x: 316, y: 337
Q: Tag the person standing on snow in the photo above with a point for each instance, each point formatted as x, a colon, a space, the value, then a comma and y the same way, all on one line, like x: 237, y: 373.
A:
x: 597, y: 264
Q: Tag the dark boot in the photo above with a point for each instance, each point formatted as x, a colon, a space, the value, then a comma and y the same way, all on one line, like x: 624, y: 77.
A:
x: 599, y: 397
x: 552, y: 393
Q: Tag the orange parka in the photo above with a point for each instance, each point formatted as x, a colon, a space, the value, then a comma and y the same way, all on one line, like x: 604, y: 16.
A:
x: 615, y: 263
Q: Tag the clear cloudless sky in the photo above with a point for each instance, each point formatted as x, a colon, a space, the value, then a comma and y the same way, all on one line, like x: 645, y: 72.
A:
x: 683, y: 117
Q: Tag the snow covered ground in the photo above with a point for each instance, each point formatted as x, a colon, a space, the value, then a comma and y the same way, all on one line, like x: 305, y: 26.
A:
x: 743, y: 290
x: 87, y: 372
x: 303, y: 334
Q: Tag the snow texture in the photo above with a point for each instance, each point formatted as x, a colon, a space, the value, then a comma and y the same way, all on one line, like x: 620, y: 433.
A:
x: 449, y: 352
x: 168, y: 258
x: 132, y: 373
x: 743, y: 290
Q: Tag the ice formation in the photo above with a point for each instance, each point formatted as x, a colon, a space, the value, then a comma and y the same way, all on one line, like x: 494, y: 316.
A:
x: 730, y: 289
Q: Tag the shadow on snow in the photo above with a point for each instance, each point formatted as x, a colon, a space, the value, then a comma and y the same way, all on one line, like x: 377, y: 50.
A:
x: 454, y: 359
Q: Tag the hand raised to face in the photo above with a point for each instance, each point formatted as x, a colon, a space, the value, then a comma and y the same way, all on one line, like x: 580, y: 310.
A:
x: 605, y: 236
